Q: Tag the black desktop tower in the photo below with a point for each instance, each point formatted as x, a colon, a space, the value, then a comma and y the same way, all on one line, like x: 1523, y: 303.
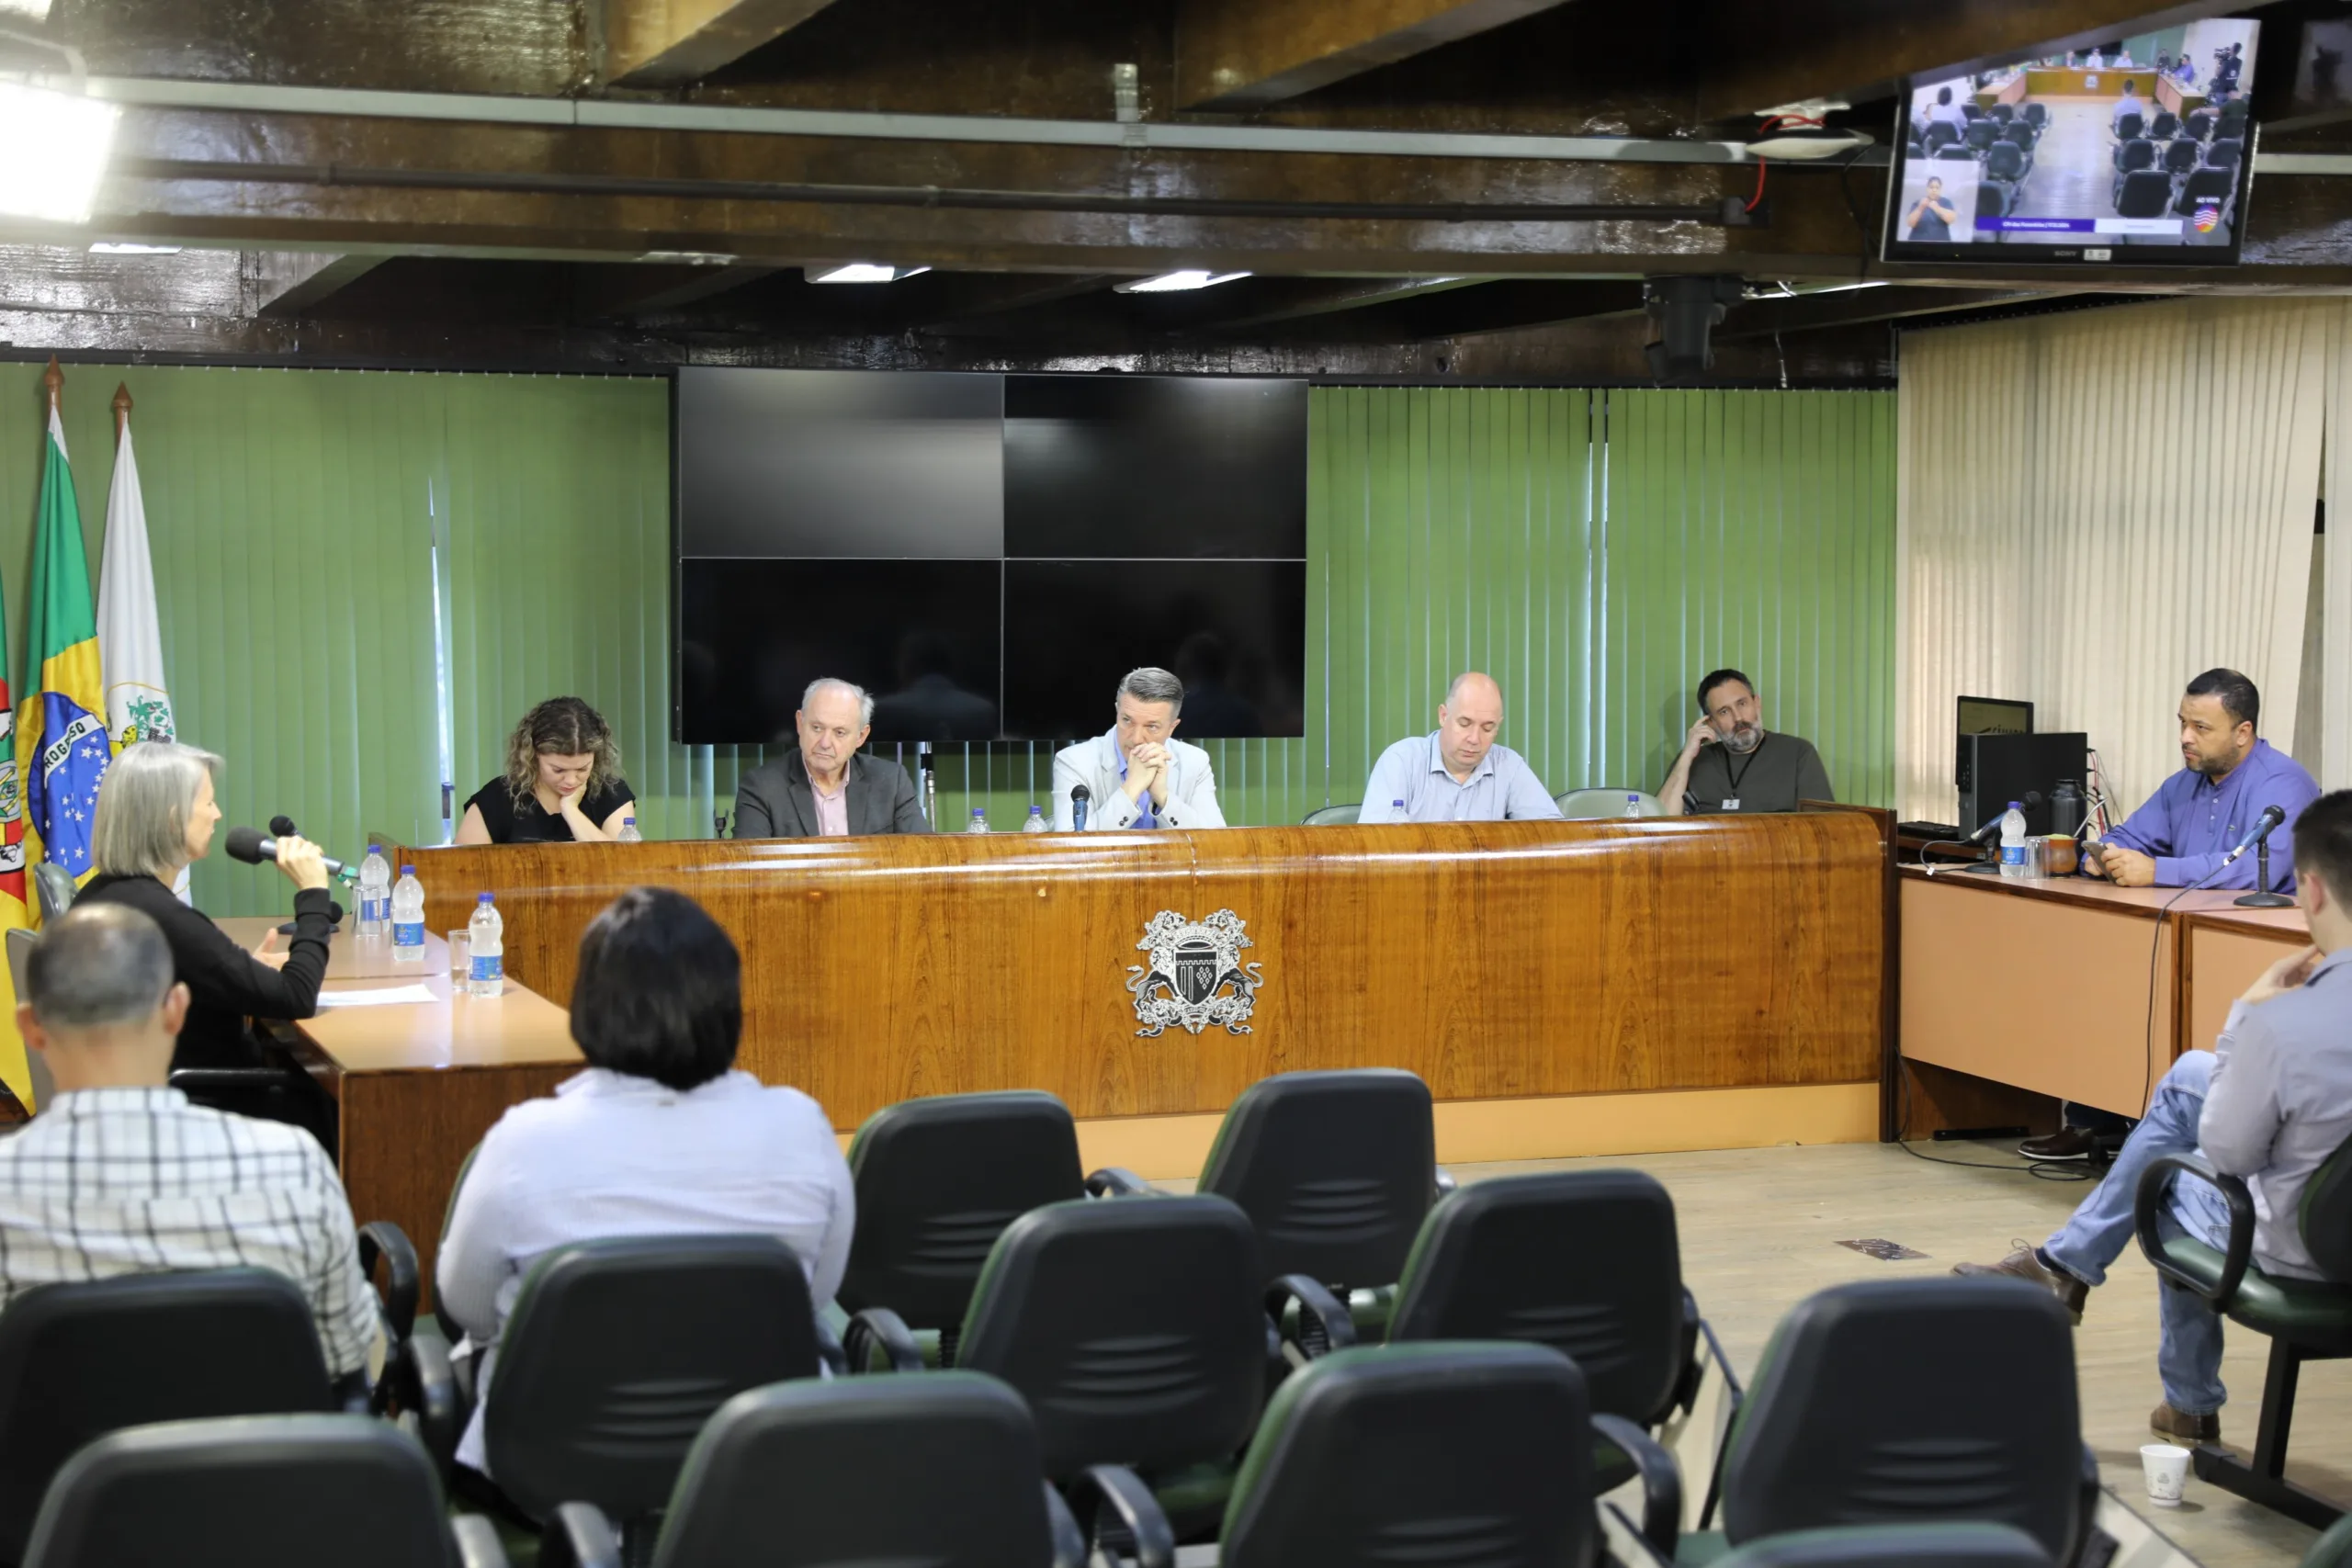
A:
x: 1996, y: 769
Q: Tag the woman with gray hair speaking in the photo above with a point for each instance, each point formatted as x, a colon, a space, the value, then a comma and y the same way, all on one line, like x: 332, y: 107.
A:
x: 155, y: 815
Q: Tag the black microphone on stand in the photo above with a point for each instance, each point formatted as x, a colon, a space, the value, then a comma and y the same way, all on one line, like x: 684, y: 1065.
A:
x: 2258, y: 837
x: 1991, y: 829
x: 1079, y: 798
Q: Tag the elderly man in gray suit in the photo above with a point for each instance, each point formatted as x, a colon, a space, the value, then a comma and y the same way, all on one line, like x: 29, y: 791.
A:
x: 1138, y: 775
x: 826, y: 787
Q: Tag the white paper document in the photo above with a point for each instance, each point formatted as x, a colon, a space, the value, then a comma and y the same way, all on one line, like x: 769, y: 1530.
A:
x: 387, y: 996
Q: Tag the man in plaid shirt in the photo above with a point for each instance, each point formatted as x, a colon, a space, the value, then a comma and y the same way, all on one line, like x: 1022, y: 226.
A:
x: 120, y: 1175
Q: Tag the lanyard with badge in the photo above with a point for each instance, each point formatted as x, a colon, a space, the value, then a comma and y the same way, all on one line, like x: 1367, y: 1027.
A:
x: 1730, y: 801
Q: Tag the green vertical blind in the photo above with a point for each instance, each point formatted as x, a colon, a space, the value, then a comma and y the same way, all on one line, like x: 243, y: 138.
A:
x: 1596, y: 551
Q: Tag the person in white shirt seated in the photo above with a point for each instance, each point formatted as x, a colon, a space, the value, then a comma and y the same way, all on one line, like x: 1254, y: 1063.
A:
x: 2130, y: 103
x: 1138, y: 775
x: 660, y: 1136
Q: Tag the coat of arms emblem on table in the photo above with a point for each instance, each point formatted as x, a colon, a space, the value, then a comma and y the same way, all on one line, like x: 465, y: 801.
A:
x: 1195, y: 977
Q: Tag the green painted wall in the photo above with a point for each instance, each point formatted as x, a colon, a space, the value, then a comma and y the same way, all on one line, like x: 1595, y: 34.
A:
x: 1595, y: 550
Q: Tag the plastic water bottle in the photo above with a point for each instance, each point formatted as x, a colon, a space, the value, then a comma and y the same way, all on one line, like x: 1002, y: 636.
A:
x: 630, y: 835
x: 375, y: 894
x: 408, y: 918
x: 486, y: 951
x: 1036, y: 823
x: 1633, y: 803
x: 980, y: 823
x: 2013, y: 842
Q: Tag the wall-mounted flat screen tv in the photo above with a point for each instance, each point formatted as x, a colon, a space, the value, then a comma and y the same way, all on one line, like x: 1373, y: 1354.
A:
x: 2137, y: 151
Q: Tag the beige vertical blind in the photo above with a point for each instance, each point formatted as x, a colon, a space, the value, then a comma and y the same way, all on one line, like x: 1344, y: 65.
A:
x: 2093, y: 508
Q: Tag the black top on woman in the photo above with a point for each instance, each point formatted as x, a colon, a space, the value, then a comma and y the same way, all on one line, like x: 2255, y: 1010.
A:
x: 155, y: 815
x: 562, y: 782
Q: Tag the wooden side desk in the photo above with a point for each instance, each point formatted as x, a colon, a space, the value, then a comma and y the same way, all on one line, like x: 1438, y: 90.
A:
x: 2223, y: 952
x: 2068, y: 986
x: 417, y: 1083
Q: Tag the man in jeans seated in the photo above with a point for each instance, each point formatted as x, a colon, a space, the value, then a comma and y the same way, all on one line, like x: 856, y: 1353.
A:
x: 2270, y: 1103
x: 120, y: 1175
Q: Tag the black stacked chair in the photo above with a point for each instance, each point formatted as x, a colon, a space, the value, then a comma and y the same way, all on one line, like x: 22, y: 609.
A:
x: 938, y: 1180
x: 1955, y: 152
x: 2333, y: 1548
x: 2024, y: 135
x: 1336, y: 1169
x: 2231, y: 121
x: 2165, y: 127
x: 1981, y: 134
x: 1939, y: 135
x: 2224, y: 153
x: 2206, y: 184
x: 79, y: 1361
x: 2180, y: 157
x: 1914, y: 1546
x: 1912, y: 1402
x: 258, y: 1492
x: 1137, y: 1335
x: 2004, y: 113
x: 2129, y: 127
x: 1429, y: 1453
x: 2306, y: 1320
x: 940, y: 1469
x: 1994, y: 198
x: 2198, y: 125
x: 2144, y: 193
x: 618, y: 1351
x: 1972, y: 111
x: 2035, y: 116
x: 2137, y: 153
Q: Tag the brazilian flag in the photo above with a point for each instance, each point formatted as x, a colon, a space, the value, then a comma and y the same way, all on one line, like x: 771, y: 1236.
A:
x: 61, y: 745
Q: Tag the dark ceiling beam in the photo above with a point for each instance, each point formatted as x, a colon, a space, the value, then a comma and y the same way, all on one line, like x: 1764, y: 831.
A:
x: 1244, y: 54
x: 291, y: 283
x: 1858, y: 307
x: 1766, y: 56
x: 949, y: 299
x: 662, y: 43
x: 1273, y: 301
x: 648, y: 288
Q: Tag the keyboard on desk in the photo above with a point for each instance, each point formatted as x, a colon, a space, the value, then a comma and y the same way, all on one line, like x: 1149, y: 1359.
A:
x: 1928, y: 829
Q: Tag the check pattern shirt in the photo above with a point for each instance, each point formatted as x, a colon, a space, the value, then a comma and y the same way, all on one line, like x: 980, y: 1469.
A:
x: 113, y: 1181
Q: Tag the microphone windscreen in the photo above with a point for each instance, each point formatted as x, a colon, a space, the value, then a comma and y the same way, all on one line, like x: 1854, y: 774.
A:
x: 1080, y: 792
x: 282, y: 826
x: 2032, y: 798
x: 244, y: 845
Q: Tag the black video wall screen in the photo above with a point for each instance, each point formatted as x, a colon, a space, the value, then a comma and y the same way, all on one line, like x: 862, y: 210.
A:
x: 988, y: 554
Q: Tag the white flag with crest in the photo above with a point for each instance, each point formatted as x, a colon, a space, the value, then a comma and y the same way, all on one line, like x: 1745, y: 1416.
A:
x: 130, y: 640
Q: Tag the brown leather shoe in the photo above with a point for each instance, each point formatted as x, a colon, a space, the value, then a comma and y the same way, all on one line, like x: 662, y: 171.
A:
x: 2166, y: 1422
x: 2066, y: 1143
x: 2023, y: 1264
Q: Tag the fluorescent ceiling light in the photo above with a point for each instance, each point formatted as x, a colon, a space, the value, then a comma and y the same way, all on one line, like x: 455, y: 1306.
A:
x: 1174, y: 282
x: 131, y: 248
x: 37, y: 9
x: 867, y: 272
x: 52, y: 152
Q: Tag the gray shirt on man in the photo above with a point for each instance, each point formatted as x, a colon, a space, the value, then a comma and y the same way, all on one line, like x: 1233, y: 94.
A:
x: 1782, y: 770
x: 2281, y: 1103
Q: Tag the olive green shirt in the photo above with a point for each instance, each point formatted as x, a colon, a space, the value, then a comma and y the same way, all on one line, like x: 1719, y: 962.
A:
x: 1782, y: 770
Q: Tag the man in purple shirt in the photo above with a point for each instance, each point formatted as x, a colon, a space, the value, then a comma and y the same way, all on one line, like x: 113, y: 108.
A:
x: 2180, y: 837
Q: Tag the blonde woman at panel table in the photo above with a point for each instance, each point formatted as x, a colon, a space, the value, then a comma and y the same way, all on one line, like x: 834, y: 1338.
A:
x: 562, y: 782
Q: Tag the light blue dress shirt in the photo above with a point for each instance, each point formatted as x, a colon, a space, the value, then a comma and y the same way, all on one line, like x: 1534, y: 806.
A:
x: 2191, y: 823
x: 1504, y: 787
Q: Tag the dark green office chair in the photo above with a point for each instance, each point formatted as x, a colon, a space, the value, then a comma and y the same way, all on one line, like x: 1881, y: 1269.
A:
x: 2307, y: 1320
x: 1905, y: 1401
x: 1961, y: 1545
x: 938, y: 1180
x: 257, y: 1492
x: 1442, y: 1452
x: 1334, y: 816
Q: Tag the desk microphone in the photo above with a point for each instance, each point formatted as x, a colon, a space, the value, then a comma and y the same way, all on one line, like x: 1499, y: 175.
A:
x: 1079, y: 798
x: 246, y: 844
x: 2027, y: 802
x: 2271, y: 817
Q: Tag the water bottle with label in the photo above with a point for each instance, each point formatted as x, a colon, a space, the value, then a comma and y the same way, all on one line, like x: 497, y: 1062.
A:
x: 408, y: 918
x: 980, y: 820
x: 486, y: 951
x: 628, y: 834
x: 2013, y: 842
x: 375, y: 894
x: 1036, y: 823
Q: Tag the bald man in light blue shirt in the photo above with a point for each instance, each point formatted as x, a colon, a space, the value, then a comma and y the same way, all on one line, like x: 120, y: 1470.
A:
x: 1458, y: 773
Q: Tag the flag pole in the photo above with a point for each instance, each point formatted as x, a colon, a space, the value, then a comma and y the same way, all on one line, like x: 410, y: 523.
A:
x: 121, y: 410
x: 54, y: 380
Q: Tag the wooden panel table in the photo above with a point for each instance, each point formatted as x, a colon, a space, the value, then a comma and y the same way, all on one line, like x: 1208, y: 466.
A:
x: 2225, y: 951
x: 417, y: 1083
x: 2065, y: 986
x: 1564, y: 987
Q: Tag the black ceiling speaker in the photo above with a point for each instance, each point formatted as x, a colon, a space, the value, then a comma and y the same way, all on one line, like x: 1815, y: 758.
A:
x: 1686, y: 310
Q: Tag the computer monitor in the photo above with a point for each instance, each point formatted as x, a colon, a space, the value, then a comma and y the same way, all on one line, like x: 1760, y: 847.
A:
x: 1987, y: 716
